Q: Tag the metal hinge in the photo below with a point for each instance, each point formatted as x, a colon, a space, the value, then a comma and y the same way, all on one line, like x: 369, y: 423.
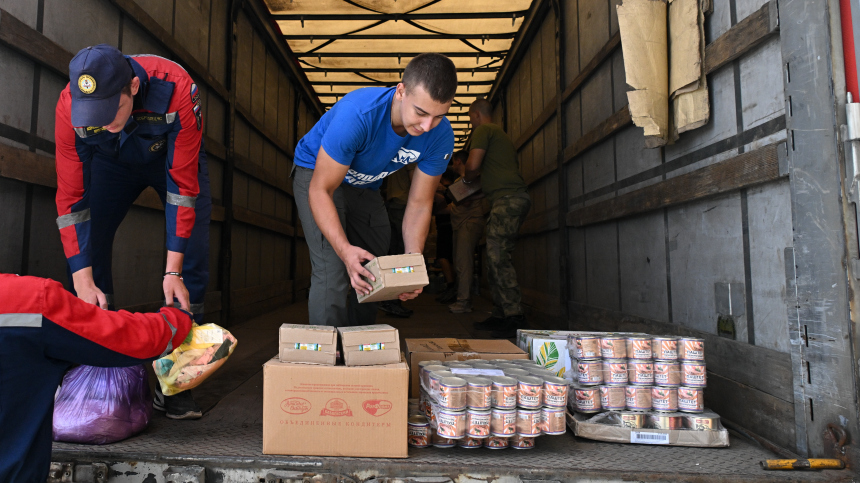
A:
x: 71, y: 473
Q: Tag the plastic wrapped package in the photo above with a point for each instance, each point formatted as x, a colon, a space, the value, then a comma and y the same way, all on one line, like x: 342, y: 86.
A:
x: 101, y: 405
x: 205, y: 349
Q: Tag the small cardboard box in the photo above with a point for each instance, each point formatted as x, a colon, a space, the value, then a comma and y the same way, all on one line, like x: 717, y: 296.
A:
x: 367, y: 345
x: 395, y: 274
x: 311, y: 410
x: 549, y: 349
x: 582, y: 426
x: 456, y: 350
x: 309, y: 344
x: 459, y: 190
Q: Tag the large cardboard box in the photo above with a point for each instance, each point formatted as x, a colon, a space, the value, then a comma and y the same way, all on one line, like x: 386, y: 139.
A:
x: 366, y: 345
x: 395, y: 274
x: 459, y: 190
x: 309, y: 344
x: 457, y: 350
x: 313, y: 410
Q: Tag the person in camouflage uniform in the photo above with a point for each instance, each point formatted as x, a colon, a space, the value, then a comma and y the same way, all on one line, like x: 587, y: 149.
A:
x: 492, y: 156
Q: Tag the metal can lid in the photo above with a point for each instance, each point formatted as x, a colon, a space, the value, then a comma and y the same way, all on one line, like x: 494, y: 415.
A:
x: 580, y: 387
x: 638, y: 337
x: 639, y: 361
x: 591, y: 361
x: 479, y: 381
x: 530, y: 380
x: 435, y: 367
x: 690, y: 362
x: 458, y: 365
x: 556, y: 380
x: 478, y: 411
x: 503, y: 380
x: 452, y: 382
x: 418, y: 420
x: 616, y: 361
x: 665, y: 337
x: 665, y: 361
x: 516, y: 372
x: 612, y: 337
x: 524, y: 362
x: 503, y: 411
x: 691, y: 338
x: 453, y: 412
x: 527, y: 411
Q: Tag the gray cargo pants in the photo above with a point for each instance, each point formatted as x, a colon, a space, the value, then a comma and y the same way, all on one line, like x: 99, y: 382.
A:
x: 364, y: 219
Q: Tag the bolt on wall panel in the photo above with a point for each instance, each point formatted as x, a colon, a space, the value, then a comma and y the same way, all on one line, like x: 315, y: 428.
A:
x: 81, y: 23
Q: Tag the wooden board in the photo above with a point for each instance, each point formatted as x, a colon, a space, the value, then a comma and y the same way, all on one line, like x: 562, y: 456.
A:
x: 610, y: 126
x: 738, y: 40
x: 766, y: 370
x: 260, y: 220
x: 263, y: 130
x: 543, y: 222
x: 748, y: 169
x: 33, y: 44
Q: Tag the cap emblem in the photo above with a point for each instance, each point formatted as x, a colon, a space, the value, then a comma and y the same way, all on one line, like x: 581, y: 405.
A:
x: 87, y: 84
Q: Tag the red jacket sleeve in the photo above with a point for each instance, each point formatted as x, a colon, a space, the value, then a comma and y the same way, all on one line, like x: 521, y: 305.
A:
x: 183, y: 154
x: 73, y: 210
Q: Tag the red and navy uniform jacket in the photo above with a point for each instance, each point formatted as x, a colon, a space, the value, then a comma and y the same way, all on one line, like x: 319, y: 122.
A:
x: 166, y: 123
x: 44, y: 330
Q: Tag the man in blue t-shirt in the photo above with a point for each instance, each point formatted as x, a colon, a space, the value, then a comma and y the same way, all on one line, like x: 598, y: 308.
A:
x: 339, y: 167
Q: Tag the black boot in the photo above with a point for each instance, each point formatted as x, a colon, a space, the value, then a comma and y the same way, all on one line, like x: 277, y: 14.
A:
x: 508, y: 329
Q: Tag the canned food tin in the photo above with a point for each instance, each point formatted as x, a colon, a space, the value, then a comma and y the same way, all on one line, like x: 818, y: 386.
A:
x: 529, y: 392
x: 640, y: 372
x: 587, y: 399
x: 522, y: 442
x: 703, y: 422
x: 424, y: 374
x: 457, y: 365
x: 480, y: 392
x: 587, y: 346
x: 632, y: 420
x: 503, y: 422
x: 691, y: 399
x: 555, y: 392
x: 428, y: 410
x: 485, y: 366
x: 613, y: 398
x: 496, y: 442
x: 524, y: 362
x: 434, y: 379
x: 441, y: 442
x: 693, y: 374
x: 664, y: 399
x: 553, y: 421
x: 504, y: 392
x: 418, y: 432
x: 528, y: 422
x: 451, y: 424
x: 638, y: 398
x: 613, y: 347
x: 692, y: 349
x: 477, y: 423
x: 639, y: 347
x: 666, y: 420
x: 615, y: 371
x: 665, y: 348
x: 667, y: 373
x: 590, y: 371
x: 516, y: 372
x: 469, y: 443
x: 452, y: 393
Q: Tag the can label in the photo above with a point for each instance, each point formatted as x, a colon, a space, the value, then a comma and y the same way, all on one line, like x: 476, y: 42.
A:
x: 479, y: 424
x: 702, y: 424
x: 555, y: 395
x: 371, y: 347
x: 586, y: 399
x: 613, y: 348
x: 587, y: 347
x: 419, y: 436
x: 617, y: 373
x: 666, y: 349
x: 613, y: 397
x: 690, y: 399
x: 633, y: 421
x: 693, y: 374
x: 664, y: 399
x: 451, y: 425
x: 590, y: 372
x: 504, y: 423
x: 694, y: 350
x: 504, y: 396
x: 639, y: 349
x: 528, y: 423
x: 307, y: 347
x: 529, y: 395
x: 641, y: 372
x: 667, y: 373
x: 403, y: 270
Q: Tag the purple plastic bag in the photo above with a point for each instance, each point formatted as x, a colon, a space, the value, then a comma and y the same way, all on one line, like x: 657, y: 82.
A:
x: 101, y: 405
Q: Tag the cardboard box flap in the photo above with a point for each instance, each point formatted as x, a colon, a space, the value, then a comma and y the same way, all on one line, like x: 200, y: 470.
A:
x: 369, y: 334
x: 483, y: 346
x: 414, y: 260
x: 307, y: 334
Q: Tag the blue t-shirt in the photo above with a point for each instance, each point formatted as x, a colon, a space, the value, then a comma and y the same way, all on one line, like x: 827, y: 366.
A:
x: 357, y: 132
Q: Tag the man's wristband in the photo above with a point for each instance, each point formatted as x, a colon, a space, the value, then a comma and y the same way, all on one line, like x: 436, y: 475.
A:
x: 177, y: 274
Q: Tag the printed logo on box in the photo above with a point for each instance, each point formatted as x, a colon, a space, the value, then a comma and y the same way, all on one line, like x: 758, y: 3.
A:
x: 376, y: 407
x: 295, y: 405
x: 336, y: 407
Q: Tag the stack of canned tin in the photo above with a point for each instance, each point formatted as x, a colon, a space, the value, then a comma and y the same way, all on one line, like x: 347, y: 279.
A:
x: 493, y: 404
x: 637, y: 373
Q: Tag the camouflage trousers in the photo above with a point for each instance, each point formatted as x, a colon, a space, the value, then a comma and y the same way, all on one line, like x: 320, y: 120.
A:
x: 506, y: 216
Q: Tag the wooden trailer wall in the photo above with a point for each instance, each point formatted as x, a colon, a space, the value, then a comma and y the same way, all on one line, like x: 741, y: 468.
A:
x: 687, y: 239
x: 255, y: 108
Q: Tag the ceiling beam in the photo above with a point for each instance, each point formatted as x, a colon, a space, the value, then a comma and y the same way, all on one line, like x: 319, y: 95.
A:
x: 373, y: 83
x: 476, y: 36
x: 370, y: 17
x: 313, y: 68
x: 493, y: 54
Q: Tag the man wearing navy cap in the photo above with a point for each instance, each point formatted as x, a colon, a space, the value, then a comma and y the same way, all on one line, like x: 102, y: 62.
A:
x: 122, y: 124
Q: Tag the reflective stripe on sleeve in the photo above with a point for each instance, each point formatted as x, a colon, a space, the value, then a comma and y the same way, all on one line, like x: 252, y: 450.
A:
x: 73, y: 218
x: 21, y: 320
x: 172, y: 335
x: 179, y: 200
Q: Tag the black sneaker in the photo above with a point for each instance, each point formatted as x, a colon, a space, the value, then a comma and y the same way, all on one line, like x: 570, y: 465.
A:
x: 492, y: 322
x: 508, y: 329
x: 394, y: 308
x: 448, y: 296
x: 180, y: 406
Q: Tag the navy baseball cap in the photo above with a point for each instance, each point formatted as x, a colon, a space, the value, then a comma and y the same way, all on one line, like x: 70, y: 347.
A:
x: 96, y: 77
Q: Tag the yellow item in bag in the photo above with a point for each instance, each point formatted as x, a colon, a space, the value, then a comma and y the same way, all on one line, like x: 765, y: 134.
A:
x: 205, y: 349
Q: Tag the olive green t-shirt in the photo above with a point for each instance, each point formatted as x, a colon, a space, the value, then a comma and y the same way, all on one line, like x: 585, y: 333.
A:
x: 500, y: 173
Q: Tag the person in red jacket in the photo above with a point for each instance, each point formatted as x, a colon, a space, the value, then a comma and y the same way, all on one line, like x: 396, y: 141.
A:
x: 122, y: 124
x: 44, y: 331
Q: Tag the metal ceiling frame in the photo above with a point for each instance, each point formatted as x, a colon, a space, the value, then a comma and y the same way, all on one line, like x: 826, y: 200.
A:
x: 376, y: 17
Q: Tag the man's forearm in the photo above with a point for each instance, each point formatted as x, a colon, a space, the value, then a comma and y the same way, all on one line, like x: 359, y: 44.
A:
x: 174, y: 261
x: 325, y: 215
x: 416, y: 225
